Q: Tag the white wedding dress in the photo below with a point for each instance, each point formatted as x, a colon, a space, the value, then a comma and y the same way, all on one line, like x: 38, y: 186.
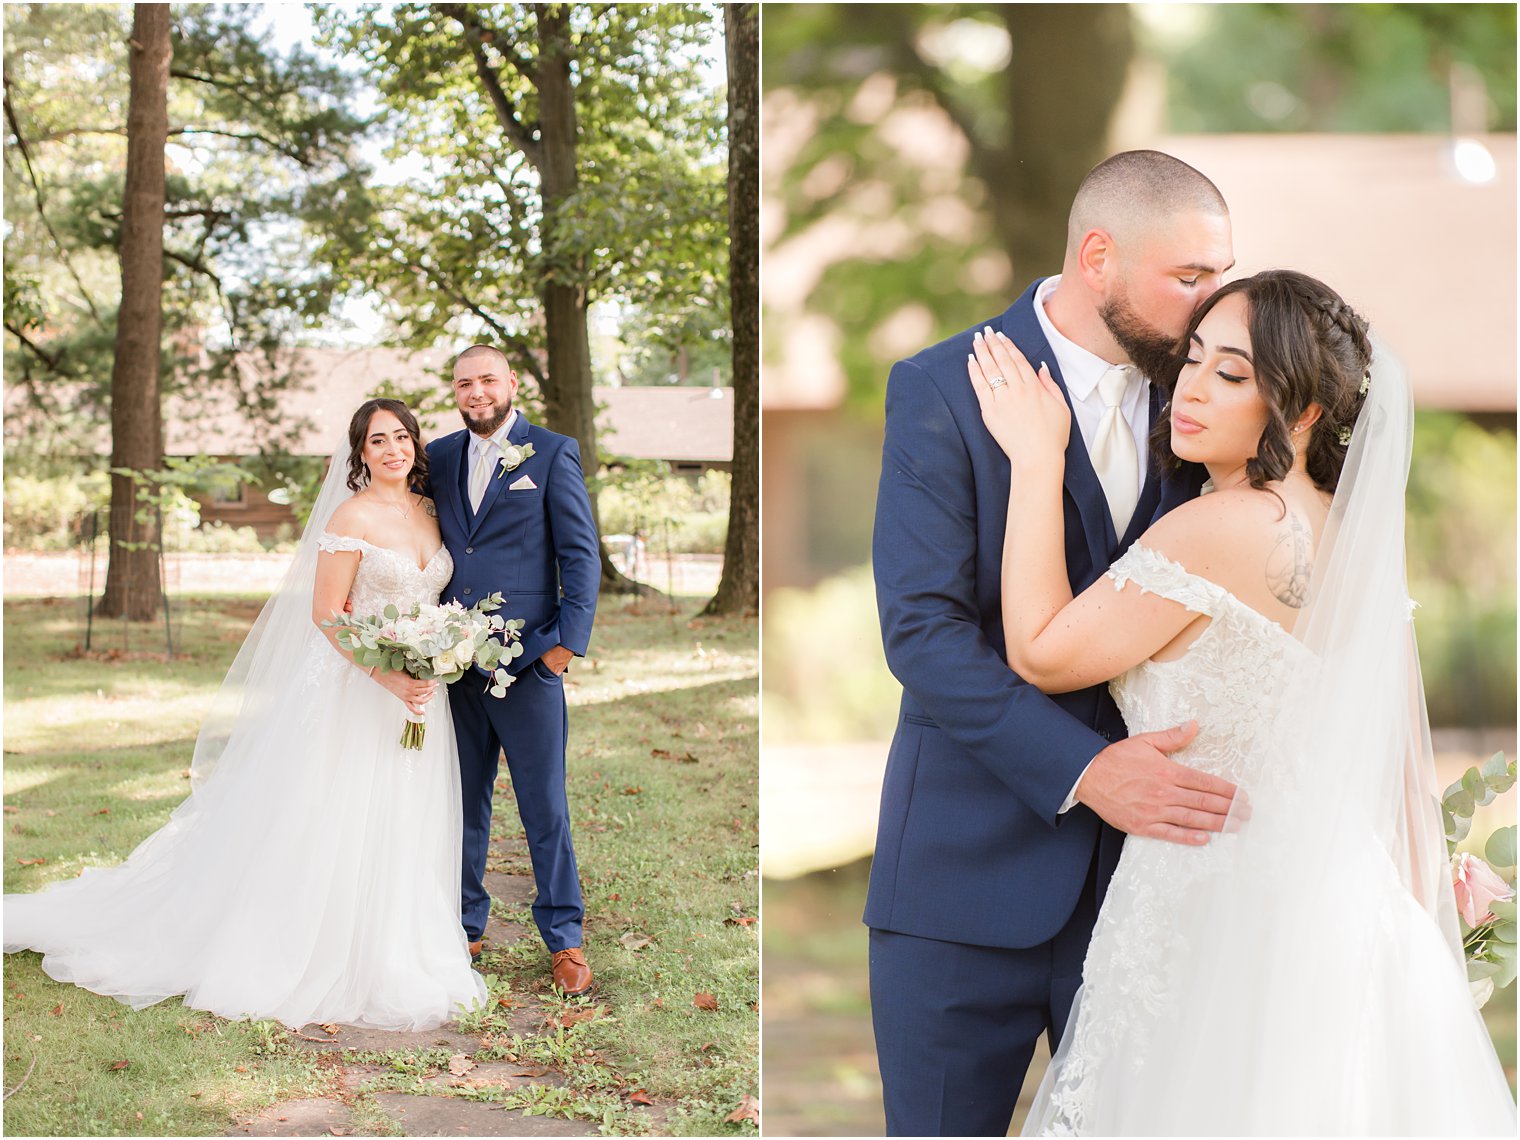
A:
x: 313, y: 873
x: 1223, y: 995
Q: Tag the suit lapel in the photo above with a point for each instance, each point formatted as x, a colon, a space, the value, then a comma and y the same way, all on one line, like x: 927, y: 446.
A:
x: 1150, y: 490
x: 1080, y: 481
x: 499, y: 480
x: 450, y: 482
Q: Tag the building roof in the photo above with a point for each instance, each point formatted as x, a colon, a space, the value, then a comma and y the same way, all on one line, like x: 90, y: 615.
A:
x: 676, y: 424
x: 1387, y: 220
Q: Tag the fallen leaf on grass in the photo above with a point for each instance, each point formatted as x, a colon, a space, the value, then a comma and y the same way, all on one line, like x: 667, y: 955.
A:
x: 632, y: 791
x: 574, y: 1016
x: 104, y: 811
x: 57, y: 1010
x: 749, y: 1109
x: 639, y: 1096
x: 31, y: 862
x: 50, y: 813
x: 743, y: 920
x: 705, y: 1001
x: 116, y: 1066
x: 633, y: 940
x: 11, y: 808
x: 460, y: 1064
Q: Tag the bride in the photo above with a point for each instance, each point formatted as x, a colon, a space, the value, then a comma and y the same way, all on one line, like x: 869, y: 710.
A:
x: 1299, y: 973
x: 313, y: 873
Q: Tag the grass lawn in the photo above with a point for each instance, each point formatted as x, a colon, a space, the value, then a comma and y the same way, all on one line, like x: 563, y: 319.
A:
x: 662, y: 790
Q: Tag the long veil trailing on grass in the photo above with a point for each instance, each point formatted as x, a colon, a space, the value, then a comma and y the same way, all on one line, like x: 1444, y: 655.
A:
x: 282, y: 636
x: 312, y: 875
x: 1322, y: 988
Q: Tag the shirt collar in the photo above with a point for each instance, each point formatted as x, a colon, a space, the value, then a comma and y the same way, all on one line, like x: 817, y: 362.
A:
x: 1080, y: 369
x: 499, y: 436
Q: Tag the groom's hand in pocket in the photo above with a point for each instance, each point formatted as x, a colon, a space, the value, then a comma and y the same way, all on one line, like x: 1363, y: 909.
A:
x: 1135, y: 785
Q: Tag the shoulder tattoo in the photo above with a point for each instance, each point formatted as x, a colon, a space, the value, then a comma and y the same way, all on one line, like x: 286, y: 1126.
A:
x: 1290, y: 564
x: 430, y: 507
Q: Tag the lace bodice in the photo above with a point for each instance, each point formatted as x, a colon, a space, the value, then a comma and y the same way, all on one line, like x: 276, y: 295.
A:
x: 387, y: 576
x: 1232, y: 680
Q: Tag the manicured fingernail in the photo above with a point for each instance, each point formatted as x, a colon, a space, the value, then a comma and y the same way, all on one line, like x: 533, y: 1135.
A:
x: 970, y: 358
x: 987, y: 329
x: 976, y: 337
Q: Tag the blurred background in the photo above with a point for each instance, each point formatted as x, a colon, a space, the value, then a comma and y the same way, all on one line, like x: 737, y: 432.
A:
x: 919, y: 162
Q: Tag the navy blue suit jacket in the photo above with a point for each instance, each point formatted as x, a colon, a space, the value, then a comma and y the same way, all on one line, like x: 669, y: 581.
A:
x: 970, y: 846
x: 536, y: 545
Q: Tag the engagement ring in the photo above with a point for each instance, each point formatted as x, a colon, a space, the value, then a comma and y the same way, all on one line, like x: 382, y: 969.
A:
x: 996, y: 381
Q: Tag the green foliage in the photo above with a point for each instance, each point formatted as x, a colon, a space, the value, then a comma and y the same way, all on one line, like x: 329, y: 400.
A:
x: 1331, y: 67
x: 1461, y: 545
x: 825, y: 677
x: 643, y: 499
x: 44, y: 513
x: 261, y: 146
x: 462, y: 248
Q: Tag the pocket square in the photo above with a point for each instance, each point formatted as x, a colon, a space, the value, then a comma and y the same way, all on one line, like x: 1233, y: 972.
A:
x: 524, y: 484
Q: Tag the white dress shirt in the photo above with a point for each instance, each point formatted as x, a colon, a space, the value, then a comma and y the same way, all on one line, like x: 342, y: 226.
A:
x: 1081, y: 370
x: 488, y: 449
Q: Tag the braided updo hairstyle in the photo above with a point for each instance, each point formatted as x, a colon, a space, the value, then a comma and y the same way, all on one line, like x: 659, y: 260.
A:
x: 1307, y: 347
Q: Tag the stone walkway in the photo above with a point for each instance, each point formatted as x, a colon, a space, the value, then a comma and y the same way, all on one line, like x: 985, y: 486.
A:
x: 430, y: 1083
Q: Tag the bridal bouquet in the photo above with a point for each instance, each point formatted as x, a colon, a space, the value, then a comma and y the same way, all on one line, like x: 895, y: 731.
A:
x: 438, y: 642
x: 1485, y: 898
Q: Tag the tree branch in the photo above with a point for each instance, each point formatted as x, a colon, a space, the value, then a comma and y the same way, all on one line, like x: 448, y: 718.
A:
x: 516, y: 343
x: 63, y: 253
x: 36, y: 350
x: 248, y: 136
x: 506, y: 112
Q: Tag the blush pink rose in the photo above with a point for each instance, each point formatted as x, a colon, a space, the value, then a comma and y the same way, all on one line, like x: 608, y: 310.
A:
x: 1477, y: 886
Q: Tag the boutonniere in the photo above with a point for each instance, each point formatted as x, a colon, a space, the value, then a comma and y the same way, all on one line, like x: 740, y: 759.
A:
x: 512, y: 457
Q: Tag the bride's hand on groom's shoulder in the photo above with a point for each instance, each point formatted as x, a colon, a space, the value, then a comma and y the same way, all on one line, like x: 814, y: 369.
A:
x: 1024, y: 409
x: 1136, y: 786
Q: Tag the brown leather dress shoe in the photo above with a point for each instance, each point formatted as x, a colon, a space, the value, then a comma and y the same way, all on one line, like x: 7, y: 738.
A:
x: 475, y: 948
x: 571, y: 974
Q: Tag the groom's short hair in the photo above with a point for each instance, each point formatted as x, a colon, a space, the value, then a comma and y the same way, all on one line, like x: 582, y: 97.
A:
x: 484, y: 350
x: 1135, y: 189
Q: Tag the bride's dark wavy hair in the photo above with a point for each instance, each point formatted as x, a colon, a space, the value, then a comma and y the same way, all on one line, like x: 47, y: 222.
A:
x: 1307, y: 347
x: 358, y: 432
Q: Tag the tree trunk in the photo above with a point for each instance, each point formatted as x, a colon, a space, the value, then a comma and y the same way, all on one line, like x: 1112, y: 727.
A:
x: 1058, y: 128
x: 739, y: 589
x: 133, y: 586
x: 568, y: 406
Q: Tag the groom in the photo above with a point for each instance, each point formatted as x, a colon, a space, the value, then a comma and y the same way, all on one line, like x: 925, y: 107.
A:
x: 1003, y: 809
x: 515, y: 515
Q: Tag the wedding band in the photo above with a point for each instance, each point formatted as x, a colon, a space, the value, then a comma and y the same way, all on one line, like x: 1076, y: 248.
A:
x: 996, y: 381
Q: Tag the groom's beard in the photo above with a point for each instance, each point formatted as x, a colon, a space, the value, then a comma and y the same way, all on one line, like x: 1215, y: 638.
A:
x: 487, y: 425
x: 1149, y: 349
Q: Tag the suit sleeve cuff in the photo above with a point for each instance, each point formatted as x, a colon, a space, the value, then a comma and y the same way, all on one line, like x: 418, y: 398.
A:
x: 1071, y: 798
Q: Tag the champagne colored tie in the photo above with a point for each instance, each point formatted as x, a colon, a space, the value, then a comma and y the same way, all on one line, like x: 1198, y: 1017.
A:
x: 1113, y: 450
x: 481, y: 477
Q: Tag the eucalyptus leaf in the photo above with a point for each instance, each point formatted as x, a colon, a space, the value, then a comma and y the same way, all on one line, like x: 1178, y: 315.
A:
x: 1500, y: 849
x: 1460, y: 804
x: 1481, y: 968
x: 1503, y: 909
x: 1473, y: 785
x: 391, y: 612
x: 1496, y: 767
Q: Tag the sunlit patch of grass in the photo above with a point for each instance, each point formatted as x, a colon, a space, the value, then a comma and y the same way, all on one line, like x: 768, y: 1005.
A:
x: 663, y: 791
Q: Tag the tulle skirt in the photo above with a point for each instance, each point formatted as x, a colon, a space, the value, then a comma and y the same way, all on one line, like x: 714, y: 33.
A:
x: 313, y: 876
x: 1290, y: 1007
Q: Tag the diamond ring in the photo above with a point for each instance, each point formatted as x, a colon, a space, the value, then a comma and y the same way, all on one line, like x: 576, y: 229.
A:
x: 996, y: 381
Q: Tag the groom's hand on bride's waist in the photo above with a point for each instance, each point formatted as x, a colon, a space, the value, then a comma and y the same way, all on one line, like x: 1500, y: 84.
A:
x: 1134, y: 785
